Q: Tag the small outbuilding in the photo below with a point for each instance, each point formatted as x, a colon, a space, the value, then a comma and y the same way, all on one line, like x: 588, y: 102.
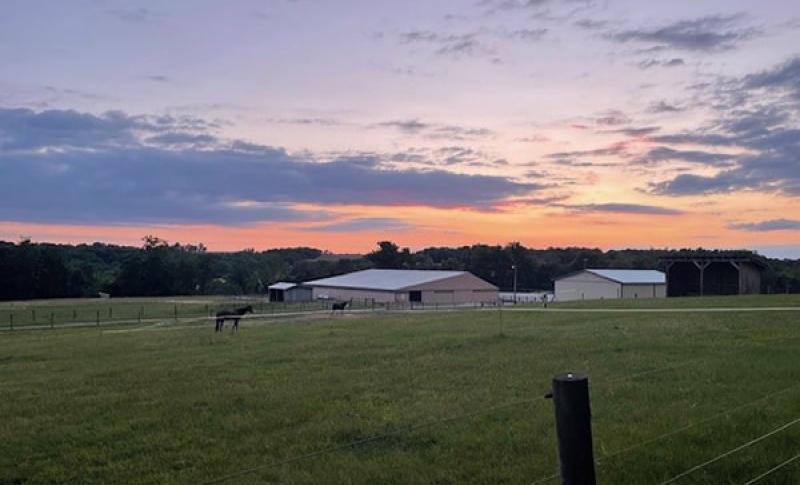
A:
x: 596, y: 284
x: 406, y: 286
x: 289, y: 292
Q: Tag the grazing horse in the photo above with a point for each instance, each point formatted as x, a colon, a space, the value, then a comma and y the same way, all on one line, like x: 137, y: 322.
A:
x: 234, y: 315
x: 341, y: 306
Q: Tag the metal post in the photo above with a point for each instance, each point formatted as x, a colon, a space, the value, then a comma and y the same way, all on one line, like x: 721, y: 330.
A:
x: 574, y: 428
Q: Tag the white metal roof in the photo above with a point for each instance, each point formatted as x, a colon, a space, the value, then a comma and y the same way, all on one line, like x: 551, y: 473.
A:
x: 631, y: 276
x: 281, y: 285
x: 385, y: 279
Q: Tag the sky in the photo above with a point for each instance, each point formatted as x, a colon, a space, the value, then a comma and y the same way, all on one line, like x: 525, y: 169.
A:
x: 260, y: 124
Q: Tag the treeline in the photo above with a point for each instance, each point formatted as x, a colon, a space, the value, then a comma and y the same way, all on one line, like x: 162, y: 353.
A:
x: 43, y: 270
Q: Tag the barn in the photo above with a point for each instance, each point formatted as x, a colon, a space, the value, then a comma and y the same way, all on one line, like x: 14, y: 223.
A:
x: 288, y: 292
x: 703, y: 273
x: 596, y: 284
x: 406, y: 286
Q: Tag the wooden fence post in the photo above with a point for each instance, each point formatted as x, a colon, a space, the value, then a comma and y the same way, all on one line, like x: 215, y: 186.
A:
x: 98, y: 318
x: 574, y: 428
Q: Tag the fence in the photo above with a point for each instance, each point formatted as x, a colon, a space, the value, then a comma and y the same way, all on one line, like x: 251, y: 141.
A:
x: 106, y: 312
x: 572, y: 418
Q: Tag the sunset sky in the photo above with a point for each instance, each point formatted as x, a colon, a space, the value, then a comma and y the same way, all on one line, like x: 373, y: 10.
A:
x: 335, y: 124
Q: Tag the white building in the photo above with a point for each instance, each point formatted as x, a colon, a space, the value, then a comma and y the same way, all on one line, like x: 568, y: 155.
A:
x: 288, y: 292
x: 406, y: 286
x: 596, y: 284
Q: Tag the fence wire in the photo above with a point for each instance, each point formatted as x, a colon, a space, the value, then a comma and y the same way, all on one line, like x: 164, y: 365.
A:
x: 731, y: 452
x: 695, y: 424
x: 405, y: 429
x: 628, y: 449
x: 773, y: 470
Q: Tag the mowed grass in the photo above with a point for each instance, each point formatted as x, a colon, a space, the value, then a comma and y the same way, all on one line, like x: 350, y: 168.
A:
x: 776, y: 300
x: 459, y: 394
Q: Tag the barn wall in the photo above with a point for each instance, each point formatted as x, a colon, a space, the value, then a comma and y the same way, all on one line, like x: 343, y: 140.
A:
x: 644, y: 291
x: 585, y: 286
x: 364, y: 296
x: 749, y: 279
x: 457, y: 297
x: 298, y: 294
x: 466, y: 281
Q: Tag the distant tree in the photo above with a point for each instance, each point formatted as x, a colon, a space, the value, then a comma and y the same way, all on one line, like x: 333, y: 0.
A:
x: 42, y: 270
x: 389, y: 256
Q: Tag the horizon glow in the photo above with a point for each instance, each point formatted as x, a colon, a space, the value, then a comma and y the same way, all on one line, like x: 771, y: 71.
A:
x: 599, y: 123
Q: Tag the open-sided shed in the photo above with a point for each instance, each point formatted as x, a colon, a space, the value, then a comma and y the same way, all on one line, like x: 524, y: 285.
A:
x: 702, y: 273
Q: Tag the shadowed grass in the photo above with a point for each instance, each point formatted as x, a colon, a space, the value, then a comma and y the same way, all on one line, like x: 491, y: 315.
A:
x: 186, y: 405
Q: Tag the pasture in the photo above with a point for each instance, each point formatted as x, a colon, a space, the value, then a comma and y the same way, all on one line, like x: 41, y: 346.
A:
x: 418, y: 397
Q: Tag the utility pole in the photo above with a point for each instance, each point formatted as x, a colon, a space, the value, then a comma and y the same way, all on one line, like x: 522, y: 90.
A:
x: 514, y: 267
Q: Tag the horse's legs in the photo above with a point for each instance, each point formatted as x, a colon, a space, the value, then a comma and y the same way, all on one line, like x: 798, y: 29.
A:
x: 235, y: 327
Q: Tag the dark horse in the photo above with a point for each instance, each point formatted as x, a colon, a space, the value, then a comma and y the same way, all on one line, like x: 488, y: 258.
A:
x: 341, y: 306
x: 234, y: 315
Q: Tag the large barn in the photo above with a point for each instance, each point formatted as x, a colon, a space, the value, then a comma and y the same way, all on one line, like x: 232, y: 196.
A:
x: 406, y: 286
x: 596, y: 284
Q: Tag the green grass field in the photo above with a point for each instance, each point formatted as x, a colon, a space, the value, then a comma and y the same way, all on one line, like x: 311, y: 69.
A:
x: 458, y: 394
x: 777, y: 300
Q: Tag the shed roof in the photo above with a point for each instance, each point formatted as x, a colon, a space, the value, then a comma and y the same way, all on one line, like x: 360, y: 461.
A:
x: 385, y: 279
x: 281, y: 285
x: 626, y: 276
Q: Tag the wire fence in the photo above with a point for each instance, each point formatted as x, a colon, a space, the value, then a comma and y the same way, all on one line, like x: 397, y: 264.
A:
x: 494, y: 408
x: 105, y: 312
x: 394, y: 432
x: 731, y: 452
x: 773, y: 470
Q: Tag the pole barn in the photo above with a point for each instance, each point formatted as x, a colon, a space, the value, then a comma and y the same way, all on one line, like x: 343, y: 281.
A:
x: 598, y: 284
x: 406, y: 286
